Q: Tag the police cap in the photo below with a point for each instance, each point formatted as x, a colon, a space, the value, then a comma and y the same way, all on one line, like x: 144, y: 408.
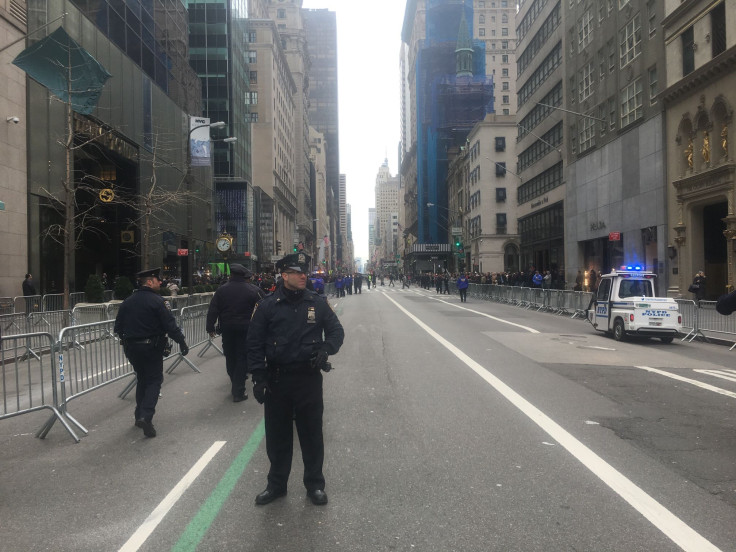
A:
x: 240, y: 270
x: 296, y: 261
x: 150, y: 273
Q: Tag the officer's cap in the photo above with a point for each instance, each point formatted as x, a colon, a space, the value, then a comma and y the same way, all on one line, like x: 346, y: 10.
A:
x: 240, y: 270
x: 150, y: 273
x: 296, y: 261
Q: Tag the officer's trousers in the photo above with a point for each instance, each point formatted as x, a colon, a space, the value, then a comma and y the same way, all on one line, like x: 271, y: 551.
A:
x: 236, y: 358
x: 296, y: 397
x: 148, y: 363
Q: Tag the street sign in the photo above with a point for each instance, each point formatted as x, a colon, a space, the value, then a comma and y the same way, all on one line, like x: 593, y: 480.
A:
x: 614, y: 236
x: 275, y: 258
x: 182, y: 252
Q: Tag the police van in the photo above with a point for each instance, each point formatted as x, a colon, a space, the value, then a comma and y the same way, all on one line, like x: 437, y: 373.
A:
x: 625, y: 304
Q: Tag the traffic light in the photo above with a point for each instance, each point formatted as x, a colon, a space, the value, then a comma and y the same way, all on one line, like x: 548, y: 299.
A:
x: 295, y: 248
x: 457, y: 243
x: 278, y: 247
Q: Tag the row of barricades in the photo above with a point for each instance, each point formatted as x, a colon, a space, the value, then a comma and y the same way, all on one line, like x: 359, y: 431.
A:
x: 54, y: 302
x: 701, y: 319
x: 44, y: 370
x: 557, y: 301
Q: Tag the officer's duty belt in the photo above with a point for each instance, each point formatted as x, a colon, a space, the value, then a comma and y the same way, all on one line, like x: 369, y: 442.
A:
x: 291, y: 367
x: 141, y: 340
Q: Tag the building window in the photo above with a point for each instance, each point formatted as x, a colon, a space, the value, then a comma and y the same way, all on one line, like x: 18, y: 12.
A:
x: 631, y: 103
x: 505, y: 44
x: 652, y: 18
x: 585, y: 29
x: 500, y: 143
x: 500, y: 194
x: 504, y: 86
x: 504, y: 72
x: 251, y: 98
x: 506, y: 112
x: 482, y: 20
x: 630, y: 41
x: 718, y: 29
x: 688, y: 52
x: 504, y: 31
x: 587, y: 133
x: 504, y: 58
x: 602, y: 63
x: 585, y: 82
x: 504, y: 18
x: 505, y: 99
x: 611, y: 56
x: 602, y: 118
x: 252, y: 56
x: 253, y: 76
x: 612, y: 113
x: 500, y: 169
x: 254, y: 117
x: 653, y: 87
x: 251, y: 36
x: 501, y: 222
x: 481, y: 32
x: 281, y: 14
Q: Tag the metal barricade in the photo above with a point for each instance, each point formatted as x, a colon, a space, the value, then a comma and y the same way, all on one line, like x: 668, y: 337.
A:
x: 330, y: 289
x: 89, y: 357
x: 29, y: 384
x: 13, y: 324
x: 710, y: 320
x: 193, y: 323
x: 53, y: 302
x: 7, y: 305
x: 689, y: 312
x: 89, y: 314
x: 111, y: 311
x: 76, y: 298
x: 51, y: 322
x: 27, y: 304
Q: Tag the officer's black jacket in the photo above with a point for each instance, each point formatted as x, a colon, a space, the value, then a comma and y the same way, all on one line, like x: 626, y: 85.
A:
x: 233, y: 304
x: 726, y: 303
x: 288, y: 333
x: 144, y: 314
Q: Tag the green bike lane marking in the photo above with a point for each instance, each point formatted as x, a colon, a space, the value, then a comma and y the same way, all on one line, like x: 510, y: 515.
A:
x: 200, y: 524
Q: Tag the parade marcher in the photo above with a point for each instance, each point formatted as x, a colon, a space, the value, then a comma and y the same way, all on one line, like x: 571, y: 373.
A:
x: 231, y: 307
x: 291, y: 335
x: 142, y: 323
x: 28, y: 287
x: 462, y: 287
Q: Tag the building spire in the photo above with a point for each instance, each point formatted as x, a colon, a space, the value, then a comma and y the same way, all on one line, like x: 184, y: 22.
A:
x: 464, y: 50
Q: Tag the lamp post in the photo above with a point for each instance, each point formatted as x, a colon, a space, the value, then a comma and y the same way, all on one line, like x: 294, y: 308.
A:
x: 190, y: 214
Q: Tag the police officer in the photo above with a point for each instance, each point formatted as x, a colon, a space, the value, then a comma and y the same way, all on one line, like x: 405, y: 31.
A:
x: 233, y: 305
x: 291, y: 334
x: 142, y: 324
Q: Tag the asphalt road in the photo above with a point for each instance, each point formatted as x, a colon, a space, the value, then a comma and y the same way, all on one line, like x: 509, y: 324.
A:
x: 448, y: 427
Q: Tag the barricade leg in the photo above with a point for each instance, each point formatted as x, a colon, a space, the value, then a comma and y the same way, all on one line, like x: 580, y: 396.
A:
x: 181, y: 358
x: 210, y: 343
x: 41, y: 433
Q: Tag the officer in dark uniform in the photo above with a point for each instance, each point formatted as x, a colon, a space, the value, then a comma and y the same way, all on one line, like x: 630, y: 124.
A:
x: 142, y: 324
x: 291, y: 334
x: 232, y: 305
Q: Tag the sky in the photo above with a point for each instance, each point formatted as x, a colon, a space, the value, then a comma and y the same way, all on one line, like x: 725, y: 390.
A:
x: 368, y: 43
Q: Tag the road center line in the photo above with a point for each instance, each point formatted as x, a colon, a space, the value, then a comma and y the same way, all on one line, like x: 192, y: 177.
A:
x: 690, y: 381
x: 145, y: 530
x: 672, y: 526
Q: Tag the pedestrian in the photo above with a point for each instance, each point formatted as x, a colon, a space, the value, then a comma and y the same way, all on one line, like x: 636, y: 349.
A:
x: 231, y: 308
x: 173, y: 288
x: 391, y: 280
x: 446, y: 282
x: 142, y: 324
x: 28, y: 287
x: 592, y: 284
x: 358, y: 282
x: 462, y: 287
x: 406, y: 282
x: 698, y: 286
x: 291, y: 335
x: 537, y: 279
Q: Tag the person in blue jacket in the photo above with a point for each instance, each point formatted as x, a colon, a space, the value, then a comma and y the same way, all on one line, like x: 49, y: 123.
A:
x: 462, y: 287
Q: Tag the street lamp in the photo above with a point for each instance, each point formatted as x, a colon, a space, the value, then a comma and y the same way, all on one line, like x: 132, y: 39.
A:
x: 187, y: 278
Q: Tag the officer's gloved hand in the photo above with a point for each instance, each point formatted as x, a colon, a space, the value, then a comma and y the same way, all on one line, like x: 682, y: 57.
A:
x: 260, y: 390
x: 184, y: 349
x: 319, y: 360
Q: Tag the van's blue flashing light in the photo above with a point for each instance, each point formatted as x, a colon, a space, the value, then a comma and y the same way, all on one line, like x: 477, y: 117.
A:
x: 634, y: 267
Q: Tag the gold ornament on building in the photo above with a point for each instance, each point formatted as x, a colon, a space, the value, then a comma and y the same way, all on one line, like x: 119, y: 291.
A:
x: 706, y: 146
x: 724, y: 140
x: 689, y: 153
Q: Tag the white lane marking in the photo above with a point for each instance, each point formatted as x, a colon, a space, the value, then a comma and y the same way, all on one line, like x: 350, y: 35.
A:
x: 726, y: 374
x: 527, y: 328
x: 672, y: 526
x: 152, y: 521
x: 688, y: 380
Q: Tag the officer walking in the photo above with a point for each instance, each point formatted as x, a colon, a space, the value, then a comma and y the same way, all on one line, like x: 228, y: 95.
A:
x: 291, y: 334
x: 233, y: 305
x: 142, y: 324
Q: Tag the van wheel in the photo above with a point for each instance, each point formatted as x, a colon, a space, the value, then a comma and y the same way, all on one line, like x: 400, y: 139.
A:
x: 619, y: 334
x: 666, y: 339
